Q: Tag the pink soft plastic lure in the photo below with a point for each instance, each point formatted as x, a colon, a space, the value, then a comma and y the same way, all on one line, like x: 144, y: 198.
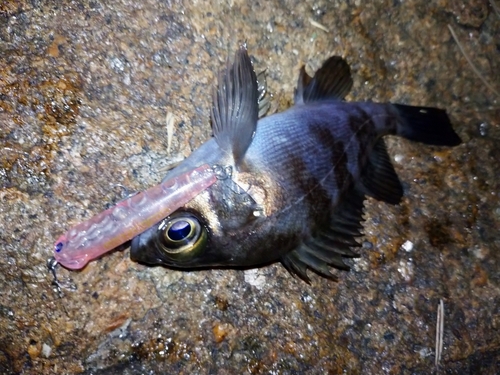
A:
x: 127, y: 219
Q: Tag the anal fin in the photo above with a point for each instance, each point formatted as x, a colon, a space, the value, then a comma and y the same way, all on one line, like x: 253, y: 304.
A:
x: 379, y: 179
x: 331, y: 244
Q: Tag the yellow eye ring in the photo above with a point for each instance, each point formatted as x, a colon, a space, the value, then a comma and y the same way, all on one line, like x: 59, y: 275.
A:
x: 181, y: 235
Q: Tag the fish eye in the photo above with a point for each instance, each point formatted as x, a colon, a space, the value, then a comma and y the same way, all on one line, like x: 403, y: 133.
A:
x: 182, y: 236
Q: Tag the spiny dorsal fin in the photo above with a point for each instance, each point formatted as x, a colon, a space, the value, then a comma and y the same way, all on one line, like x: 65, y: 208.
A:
x: 327, y: 247
x: 235, y: 106
x: 379, y: 179
x: 331, y: 81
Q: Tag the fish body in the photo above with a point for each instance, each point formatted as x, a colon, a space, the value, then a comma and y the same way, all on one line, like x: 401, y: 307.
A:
x: 295, y: 182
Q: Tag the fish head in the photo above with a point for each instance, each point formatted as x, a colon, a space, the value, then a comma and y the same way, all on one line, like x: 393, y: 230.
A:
x: 225, y: 225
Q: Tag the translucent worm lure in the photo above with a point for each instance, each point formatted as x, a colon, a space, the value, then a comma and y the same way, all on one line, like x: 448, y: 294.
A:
x: 129, y: 218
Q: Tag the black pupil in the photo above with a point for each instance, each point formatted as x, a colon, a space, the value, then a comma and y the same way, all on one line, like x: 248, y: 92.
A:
x: 179, y: 230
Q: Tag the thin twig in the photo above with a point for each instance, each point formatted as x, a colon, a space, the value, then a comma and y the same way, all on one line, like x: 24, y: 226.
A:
x: 439, y: 332
x: 478, y: 73
x: 170, y: 130
x: 318, y: 25
x: 495, y: 7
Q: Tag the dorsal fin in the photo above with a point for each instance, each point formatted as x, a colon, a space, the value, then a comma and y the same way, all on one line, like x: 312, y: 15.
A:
x: 330, y: 244
x: 378, y: 178
x: 331, y: 81
x: 235, y: 107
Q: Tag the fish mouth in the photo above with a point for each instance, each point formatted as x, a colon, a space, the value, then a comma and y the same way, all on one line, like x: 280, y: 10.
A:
x: 138, y: 251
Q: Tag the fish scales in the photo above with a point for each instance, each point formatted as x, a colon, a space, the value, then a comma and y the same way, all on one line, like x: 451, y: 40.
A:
x: 303, y: 146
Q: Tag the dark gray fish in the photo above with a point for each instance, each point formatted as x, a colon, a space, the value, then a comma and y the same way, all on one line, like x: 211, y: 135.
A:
x: 291, y: 186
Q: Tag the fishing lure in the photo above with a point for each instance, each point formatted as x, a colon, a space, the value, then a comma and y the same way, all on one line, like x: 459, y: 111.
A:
x: 130, y: 217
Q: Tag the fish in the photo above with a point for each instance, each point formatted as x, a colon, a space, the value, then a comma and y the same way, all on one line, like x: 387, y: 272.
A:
x: 291, y: 186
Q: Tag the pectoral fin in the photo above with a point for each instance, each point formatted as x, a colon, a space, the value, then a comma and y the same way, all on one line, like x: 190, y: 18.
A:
x: 328, y: 247
x: 235, y: 107
x: 379, y: 179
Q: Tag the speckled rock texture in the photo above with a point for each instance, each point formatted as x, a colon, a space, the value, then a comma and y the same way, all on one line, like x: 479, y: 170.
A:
x: 85, y: 87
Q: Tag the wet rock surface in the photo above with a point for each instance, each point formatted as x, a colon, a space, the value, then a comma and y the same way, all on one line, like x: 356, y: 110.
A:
x: 85, y: 88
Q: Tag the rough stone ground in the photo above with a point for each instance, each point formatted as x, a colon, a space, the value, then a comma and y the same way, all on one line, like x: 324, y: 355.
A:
x: 85, y: 87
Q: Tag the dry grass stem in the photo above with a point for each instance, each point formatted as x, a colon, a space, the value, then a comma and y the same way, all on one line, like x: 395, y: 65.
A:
x: 439, y: 332
x: 478, y: 73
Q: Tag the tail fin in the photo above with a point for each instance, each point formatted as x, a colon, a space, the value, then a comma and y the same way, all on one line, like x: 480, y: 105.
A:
x: 427, y: 125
